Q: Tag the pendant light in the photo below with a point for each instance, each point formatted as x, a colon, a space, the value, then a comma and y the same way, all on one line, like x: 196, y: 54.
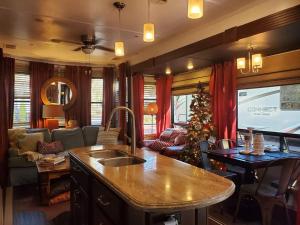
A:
x: 119, y: 45
x: 148, y: 28
x: 195, y: 9
x: 255, y: 62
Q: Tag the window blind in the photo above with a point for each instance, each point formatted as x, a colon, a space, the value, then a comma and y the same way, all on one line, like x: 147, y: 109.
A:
x: 96, y: 101
x: 22, y: 101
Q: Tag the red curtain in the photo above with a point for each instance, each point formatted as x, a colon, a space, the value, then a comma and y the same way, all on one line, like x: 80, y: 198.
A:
x: 81, y: 77
x: 222, y: 87
x: 123, y: 69
x: 39, y: 73
x: 163, y: 96
x: 108, y: 100
x: 3, y: 125
x: 138, y: 107
x: 9, y: 77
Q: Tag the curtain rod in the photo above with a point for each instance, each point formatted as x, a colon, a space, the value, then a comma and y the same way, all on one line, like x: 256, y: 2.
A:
x: 56, y: 63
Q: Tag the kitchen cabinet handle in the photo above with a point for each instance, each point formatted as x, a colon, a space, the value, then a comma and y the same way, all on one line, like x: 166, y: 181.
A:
x: 103, y: 203
x: 76, y: 169
x: 76, y: 195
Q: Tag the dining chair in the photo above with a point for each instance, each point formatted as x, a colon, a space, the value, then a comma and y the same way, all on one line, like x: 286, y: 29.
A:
x: 267, y: 195
x: 206, y: 164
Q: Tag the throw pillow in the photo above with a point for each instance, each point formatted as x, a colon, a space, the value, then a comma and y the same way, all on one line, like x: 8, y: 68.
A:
x: 166, y: 135
x: 159, y: 145
x: 180, y: 139
x: 50, y: 148
x: 29, y: 142
x: 108, y: 137
x: 60, y: 198
x: 14, y: 135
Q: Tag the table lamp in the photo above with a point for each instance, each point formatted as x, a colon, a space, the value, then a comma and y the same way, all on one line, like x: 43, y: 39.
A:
x: 152, y: 109
x: 51, y: 113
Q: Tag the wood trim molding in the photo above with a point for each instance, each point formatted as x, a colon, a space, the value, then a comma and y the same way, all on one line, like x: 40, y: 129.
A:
x: 268, y: 23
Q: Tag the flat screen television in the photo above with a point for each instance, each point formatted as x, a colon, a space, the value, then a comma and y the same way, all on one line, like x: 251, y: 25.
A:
x: 272, y: 109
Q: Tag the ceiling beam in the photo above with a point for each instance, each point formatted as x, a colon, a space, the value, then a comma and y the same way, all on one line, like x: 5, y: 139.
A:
x: 268, y: 23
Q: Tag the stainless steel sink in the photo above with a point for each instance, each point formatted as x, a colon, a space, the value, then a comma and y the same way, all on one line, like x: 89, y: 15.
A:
x: 121, y: 161
x: 107, y: 154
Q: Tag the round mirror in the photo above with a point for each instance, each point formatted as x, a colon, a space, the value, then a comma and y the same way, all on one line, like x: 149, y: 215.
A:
x: 59, y: 90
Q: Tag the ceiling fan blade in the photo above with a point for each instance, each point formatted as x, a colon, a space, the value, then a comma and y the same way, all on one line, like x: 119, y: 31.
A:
x: 77, y: 49
x: 56, y: 40
x: 100, y: 47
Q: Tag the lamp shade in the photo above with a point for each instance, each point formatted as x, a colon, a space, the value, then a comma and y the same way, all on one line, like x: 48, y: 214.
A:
x: 152, y: 108
x: 148, y: 32
x: 119, y: 48
x: 53, y: 111
x: 195, y: 9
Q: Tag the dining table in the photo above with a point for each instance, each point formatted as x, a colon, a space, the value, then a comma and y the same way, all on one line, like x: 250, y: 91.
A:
x: 249, y: 162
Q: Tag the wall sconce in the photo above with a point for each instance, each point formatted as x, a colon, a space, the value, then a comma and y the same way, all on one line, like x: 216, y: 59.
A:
x: 190, y: 65
x: 195, y: 9
x: 255, y: 62
x: 168, y: 71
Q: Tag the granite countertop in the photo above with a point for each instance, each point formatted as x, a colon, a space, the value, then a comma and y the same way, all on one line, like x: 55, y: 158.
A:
x: 161, y: 183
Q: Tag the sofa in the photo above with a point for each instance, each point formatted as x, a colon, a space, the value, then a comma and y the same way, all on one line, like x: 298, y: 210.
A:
x: 170, y: 143
x: 22, y: 171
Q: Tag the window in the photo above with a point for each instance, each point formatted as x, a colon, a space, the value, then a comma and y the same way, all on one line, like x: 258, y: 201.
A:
x: 275, y: 111
x: 181, y: 108
x: 22, y: 101
x: 96, y: 101
x: 149, y: 120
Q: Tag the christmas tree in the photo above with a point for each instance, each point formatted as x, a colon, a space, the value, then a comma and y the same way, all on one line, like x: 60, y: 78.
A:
x: 200, y: 126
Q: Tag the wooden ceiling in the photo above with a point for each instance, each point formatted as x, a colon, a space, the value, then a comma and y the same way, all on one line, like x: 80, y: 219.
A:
x: 273, y: 34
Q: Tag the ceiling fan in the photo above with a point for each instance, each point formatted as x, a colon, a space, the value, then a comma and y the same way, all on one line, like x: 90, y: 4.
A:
x: 88, y: 44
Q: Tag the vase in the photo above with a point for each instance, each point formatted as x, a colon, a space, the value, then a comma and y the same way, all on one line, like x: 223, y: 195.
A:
x: 258, y: 143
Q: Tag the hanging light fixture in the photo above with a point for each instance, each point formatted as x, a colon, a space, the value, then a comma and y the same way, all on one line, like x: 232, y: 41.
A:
x: 119, y: 45
x: 255, y: 62
x: 149, y: 28
x: 195, y: 9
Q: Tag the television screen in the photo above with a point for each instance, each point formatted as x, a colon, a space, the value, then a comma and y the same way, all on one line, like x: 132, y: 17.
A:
x: 275, y: 109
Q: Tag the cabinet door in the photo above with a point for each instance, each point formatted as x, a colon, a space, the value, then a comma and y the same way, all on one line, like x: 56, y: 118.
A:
x: 79, y: 205
x: 99, y: 218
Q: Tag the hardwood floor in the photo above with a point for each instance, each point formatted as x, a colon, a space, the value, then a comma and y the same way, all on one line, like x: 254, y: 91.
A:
x: 26, y: 198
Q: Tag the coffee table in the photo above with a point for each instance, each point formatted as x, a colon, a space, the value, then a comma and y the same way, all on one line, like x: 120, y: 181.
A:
x: 48, y: 173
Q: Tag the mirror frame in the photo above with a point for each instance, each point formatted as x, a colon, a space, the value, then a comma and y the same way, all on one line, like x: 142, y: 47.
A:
x: 58, y: 79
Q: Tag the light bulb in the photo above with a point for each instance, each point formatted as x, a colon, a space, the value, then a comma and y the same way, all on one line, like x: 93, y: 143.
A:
x: 195, y: 9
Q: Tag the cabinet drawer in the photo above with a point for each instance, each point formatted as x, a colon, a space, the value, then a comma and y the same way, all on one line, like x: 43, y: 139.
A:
x: 109, y: 202
x: 80, y: 176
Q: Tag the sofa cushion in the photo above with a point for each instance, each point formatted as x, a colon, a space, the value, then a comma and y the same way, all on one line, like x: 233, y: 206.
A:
x: 90, y: 134
x: 29, y: 142
x: 14, y: 135
x: 45, y: 131
x: 172, y: 151
x: 70, y: 138
x: 158, y: 145
x: 50, y: 148
x: 19, y: 162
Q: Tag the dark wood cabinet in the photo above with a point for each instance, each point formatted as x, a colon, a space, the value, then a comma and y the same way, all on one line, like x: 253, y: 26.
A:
x: 79, y: 196
x: 94, y: 203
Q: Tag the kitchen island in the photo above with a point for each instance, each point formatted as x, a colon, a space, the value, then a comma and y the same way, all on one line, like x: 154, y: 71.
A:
x: 153, y: 190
